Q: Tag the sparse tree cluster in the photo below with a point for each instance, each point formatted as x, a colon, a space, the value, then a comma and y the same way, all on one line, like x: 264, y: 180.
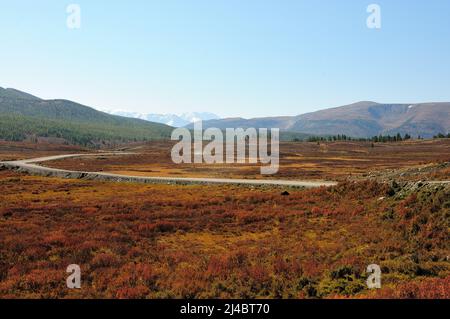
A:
x: 374, y: 139
x: 440, y: 135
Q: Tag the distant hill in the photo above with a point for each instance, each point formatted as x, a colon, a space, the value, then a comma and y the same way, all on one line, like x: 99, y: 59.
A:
x: 25, y: 116
x: 168, y: 119
x: 362, y: 119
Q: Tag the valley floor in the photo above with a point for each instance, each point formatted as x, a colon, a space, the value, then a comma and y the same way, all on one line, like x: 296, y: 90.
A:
x: 224, y: 241
x: 332, y: 161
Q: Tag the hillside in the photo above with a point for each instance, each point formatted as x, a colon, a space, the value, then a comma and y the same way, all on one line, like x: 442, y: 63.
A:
x: 362, y: 119
x: 16, y: 94
x: 24, y: 116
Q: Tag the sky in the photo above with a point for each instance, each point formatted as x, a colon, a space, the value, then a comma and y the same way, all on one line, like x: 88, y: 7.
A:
x: 244, y: 58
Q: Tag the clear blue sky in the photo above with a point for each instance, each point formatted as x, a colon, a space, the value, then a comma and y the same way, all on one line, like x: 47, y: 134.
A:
x: 231, y: 57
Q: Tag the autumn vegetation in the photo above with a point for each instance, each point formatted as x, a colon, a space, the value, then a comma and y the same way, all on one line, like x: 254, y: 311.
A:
x: 339, y: 161
x: 167, y: 241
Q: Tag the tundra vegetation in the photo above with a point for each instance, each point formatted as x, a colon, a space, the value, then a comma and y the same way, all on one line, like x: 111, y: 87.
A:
x: 167, y: 241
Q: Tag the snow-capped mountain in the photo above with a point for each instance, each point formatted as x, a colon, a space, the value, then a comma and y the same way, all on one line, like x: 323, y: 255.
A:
x: 199, y: 116
x: 168, y: 119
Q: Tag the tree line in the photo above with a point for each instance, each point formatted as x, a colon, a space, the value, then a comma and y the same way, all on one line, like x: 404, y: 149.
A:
x: 440, y: 135
x: 375, y: 139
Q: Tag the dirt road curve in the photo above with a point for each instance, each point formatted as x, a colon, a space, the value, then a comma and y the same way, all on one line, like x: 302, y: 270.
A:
x: 31, y: 166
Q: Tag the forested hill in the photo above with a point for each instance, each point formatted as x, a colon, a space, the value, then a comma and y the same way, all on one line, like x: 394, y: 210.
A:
x: 24, y: 116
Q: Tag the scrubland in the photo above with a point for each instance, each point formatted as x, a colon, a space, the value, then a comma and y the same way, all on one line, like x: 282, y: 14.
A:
x: 168, y: 241
x: 337, y: 161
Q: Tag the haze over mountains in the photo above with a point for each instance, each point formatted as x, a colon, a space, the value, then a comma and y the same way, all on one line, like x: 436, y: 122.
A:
x: 168, y: 119
x: 362, y: 119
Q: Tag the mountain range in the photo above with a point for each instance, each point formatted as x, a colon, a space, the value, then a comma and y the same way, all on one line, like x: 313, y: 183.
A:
x: 24, y: 116
x: 168, y: 119
x: 361, y: 119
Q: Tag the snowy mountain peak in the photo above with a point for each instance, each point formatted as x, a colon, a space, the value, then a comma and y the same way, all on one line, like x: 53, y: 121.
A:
x: 168, y: 119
